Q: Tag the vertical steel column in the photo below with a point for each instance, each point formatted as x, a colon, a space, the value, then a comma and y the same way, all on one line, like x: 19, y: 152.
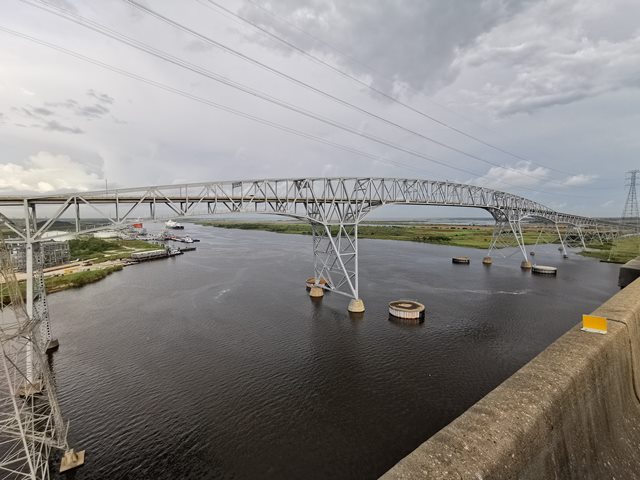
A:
x: 564, y: 249
x: 335, y: 257
x: 28, y: 251
x: 516, y: 228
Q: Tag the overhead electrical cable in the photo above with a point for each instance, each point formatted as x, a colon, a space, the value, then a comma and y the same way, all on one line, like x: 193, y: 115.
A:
x: 323, y: 93
x: 367, y: 85
x: 218, y: 106
x: 377, y: 72
x: 99, y: 28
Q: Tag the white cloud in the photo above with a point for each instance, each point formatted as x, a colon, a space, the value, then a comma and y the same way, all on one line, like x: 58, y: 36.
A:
x: 520, y: 175
x: 47, y: 172
x: 29, y: 93
x: 579, y: 180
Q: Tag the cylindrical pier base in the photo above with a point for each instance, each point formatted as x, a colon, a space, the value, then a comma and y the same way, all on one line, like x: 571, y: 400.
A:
x: 406, y: 310
x: 461, y: 260
x: 311, y: 281
x: 526, y: 265
x: 316, y: 292
x: 71, y: 459
x: 356, y: 305
x: 487, y: 261
x: 544, y: 270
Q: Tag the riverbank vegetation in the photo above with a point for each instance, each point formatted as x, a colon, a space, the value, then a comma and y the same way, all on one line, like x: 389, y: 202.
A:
x: 476, y: 236
x: 101, y: 250
x: 472, y: 236
x: 57, y: 283
x: 78, y: 279
x: 620, y: 251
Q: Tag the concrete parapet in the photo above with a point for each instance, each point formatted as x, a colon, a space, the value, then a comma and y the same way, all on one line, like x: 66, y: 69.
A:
x: 629, y: 272
x: 573, y: 412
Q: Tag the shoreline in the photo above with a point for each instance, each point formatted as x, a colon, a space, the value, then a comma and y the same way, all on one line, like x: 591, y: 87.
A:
x: 454, y: 235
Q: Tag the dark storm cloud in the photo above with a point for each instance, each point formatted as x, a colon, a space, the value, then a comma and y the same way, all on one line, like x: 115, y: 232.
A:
x: 412, y: 41
x: 101, y: 97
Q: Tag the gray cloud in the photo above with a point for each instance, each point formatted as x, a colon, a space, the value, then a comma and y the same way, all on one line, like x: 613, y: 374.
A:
x: 198, y: 47
x: 55, y: 126
x: 414, y: 42
x: 94, y: 111
x: 42, y: 111
x: 101, y: 97
x: 556, y: 55
x: 69, y: 103
x: 64, y: 4
x: 91, y: 111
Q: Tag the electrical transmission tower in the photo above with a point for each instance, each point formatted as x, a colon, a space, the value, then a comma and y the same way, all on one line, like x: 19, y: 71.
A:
x: 31, y: 424
x: 630, y: 215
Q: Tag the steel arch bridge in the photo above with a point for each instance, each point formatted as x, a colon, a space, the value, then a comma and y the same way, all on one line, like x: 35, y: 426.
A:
x: 333, y: 206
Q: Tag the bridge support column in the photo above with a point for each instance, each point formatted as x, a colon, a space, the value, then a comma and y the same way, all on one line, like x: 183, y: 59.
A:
x: 335, y: 258
x: 562, y: 244
x: 507, y: 228
x: 575, y: 236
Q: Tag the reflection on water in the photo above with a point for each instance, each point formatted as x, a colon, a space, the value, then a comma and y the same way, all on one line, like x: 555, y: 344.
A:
x: 218, y: 365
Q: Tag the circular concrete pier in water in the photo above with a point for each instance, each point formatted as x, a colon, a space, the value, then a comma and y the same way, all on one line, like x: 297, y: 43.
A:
x: 544, y: 270
x: 407, y: 310
x: 461, y: 260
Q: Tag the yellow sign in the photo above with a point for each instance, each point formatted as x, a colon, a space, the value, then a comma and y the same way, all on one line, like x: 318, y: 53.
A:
x: 594, y: 324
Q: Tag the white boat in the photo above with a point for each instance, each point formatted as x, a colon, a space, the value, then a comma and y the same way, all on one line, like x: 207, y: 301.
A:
x: 173, y: 225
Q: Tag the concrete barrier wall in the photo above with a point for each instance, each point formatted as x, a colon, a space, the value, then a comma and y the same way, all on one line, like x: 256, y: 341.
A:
x: 573, y: 412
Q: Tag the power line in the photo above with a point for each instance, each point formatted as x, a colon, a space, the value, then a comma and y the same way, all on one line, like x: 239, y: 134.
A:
x: 321, y: 92
x: 370, y: 69
x: 97, y: 27
x: 216, y: 105
x: 369, y: 86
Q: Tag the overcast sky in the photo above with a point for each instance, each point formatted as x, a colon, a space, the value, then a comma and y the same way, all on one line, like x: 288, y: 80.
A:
x: 554, y: 83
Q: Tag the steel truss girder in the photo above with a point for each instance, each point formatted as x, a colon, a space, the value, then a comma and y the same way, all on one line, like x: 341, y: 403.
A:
x: 339, y: 198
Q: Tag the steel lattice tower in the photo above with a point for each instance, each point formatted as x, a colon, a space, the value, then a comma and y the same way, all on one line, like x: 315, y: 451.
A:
x: 630, y: 215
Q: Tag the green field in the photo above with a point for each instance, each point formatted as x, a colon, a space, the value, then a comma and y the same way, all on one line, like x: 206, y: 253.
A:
x: 621, y: 251
x: 100, y: 250
x: 457, y: 235
x: 473, y: 236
